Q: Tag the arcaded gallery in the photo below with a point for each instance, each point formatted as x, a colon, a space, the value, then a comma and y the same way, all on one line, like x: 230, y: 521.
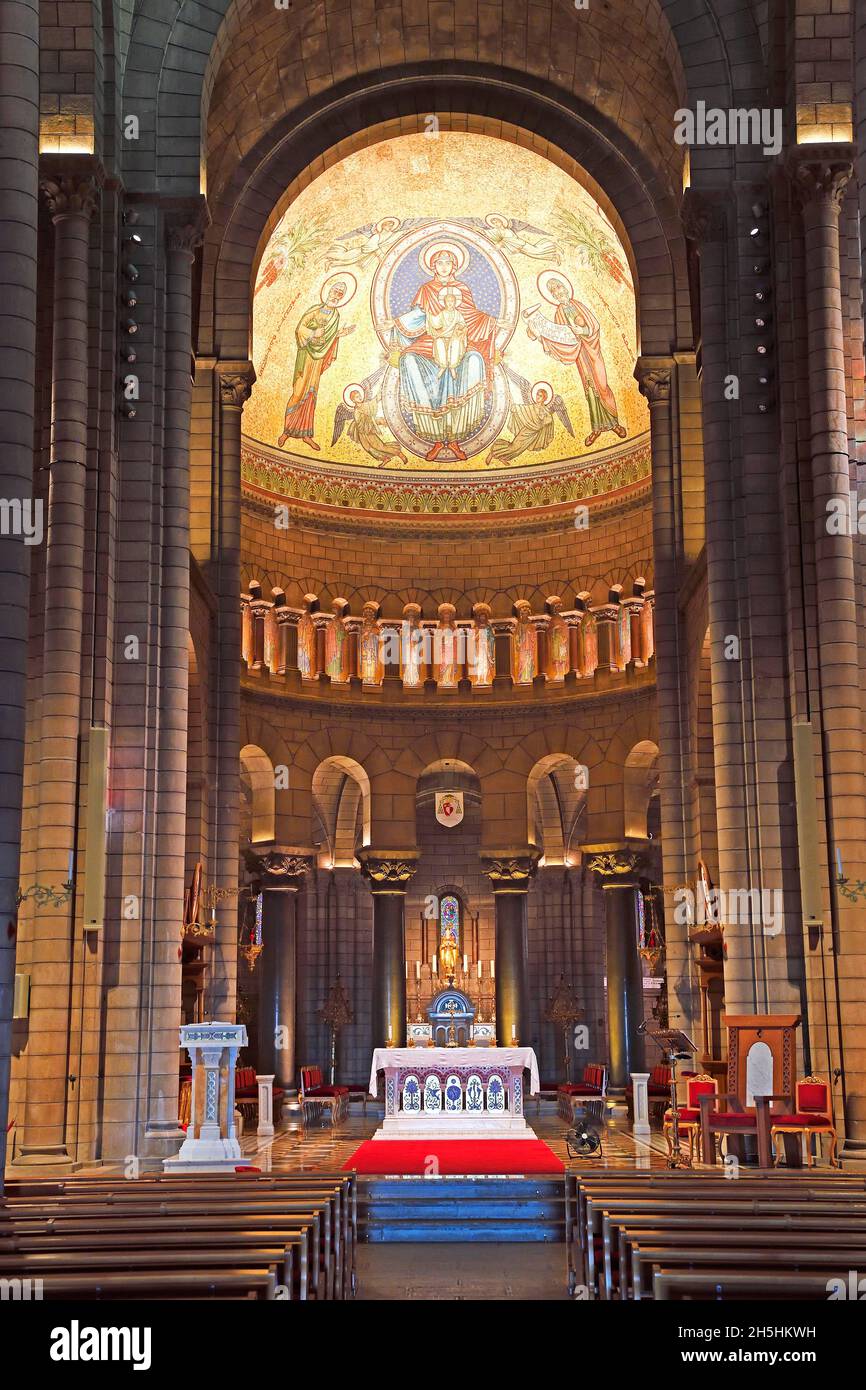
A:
x: 432, y: 781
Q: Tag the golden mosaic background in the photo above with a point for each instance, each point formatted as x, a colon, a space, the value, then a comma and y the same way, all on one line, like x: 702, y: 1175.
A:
x: 534, y: 218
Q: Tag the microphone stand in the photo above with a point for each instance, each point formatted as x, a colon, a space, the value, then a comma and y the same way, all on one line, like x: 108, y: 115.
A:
x: 675, y: 1046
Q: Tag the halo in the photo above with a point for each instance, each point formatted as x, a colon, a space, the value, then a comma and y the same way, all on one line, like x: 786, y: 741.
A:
x: 544, y: 280
x: 388, y: 224
x: 542, y: 392
x: 352, y: 392
x: 429, y: 253
x: 495, y: 219
x: 344, y: 276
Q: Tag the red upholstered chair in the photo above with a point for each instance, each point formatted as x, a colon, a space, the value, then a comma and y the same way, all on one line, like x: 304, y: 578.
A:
x: 247, y: 1092
x: 317, y: 1098
x: 589, y: 1091
x: 734, y: 1120
x: 690, y: 1114
x: 811, y: 1115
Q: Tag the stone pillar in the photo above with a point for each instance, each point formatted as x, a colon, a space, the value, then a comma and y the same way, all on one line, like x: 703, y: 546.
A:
x: 71, y: 194
x: 235, y: 384
x: 509, y: 873
x: 19, y: 212
x: 605, y: 618
x: 541, y: 623
x: 503, y: 634
x: 618, y: 870
x: 288, y: 620
x: 654, y: 376
x: 281, y: 875
x: 820, y: 176
x: 162, y: 1135
x: 389, y: 874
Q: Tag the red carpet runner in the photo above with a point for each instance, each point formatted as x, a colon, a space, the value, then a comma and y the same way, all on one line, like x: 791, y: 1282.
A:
x: 454, y: 1157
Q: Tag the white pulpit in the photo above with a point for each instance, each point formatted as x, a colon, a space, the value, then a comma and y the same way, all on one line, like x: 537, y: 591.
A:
x: 454, y: 1092
x: 211, y: 1144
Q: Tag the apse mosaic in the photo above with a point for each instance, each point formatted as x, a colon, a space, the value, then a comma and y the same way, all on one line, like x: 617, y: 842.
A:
x: 454, y: 303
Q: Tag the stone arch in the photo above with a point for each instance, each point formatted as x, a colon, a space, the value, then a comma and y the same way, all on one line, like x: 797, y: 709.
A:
x: 556, y: 801
x: 640, y: 777
x: 180, y: 47
x: 341, y: 802
x: 641, y: 206
x: 258, y: 772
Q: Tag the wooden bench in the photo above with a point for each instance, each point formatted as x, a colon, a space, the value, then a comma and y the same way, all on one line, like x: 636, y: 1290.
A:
x: 658, y: 1190
x: 336, y: 1188
x: 189, y: 1217
x: 615, y: 1211
x: 323, y: 1212
x: 588, y: 1094
x: 721, y: 1285
x: 236, y: 1283
x: 318, y: 1100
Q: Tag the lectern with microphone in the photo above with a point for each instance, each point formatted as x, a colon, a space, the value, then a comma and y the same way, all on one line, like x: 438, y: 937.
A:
x: 675, y: 1046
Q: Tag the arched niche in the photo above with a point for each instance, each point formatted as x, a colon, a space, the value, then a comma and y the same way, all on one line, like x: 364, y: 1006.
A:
x: 258, y: 783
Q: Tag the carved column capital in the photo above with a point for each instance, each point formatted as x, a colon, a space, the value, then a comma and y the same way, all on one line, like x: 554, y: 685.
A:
x: 509, y: 871
x: 73, y: 192
x: 236, y: 381
x: 185, y: 227
x: 653, y: 376
x: 278, y: 868
x: 704, y: 215
x: 618, y: 866
x: 820, y: 173
x: 389, y: 870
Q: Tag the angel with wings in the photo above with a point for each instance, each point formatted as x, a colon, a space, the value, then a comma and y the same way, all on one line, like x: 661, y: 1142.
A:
x: 510, y: 236
x: 531, y: 421
x: 358, y: 415
x: 364, y: 246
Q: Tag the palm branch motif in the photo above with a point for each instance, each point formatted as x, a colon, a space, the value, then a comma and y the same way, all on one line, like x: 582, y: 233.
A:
x: 600, y: 249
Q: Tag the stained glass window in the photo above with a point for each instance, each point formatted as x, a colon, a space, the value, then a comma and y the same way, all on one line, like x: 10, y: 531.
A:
x: 449, y: 920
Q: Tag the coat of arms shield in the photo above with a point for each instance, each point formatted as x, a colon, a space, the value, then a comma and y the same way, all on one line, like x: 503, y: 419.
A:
x: 449, y: 808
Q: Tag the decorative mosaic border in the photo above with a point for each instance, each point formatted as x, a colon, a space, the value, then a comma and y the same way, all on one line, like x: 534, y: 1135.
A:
x: 284, y: 475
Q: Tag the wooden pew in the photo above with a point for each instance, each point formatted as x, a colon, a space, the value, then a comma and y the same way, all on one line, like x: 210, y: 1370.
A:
x: 342, y: 1186
x: 274, y: 1259
x: 620, y: 1232
x: 699, y: 1205
x: 236, y: 1283
x: 817, y: 1253
x: 199, y: 1230
x: 721, y: 1285
x: 191, y: 1218
x: 293, y: 1249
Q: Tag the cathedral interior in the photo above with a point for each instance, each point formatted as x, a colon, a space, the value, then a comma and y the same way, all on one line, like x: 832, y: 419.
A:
x: 433, y: 512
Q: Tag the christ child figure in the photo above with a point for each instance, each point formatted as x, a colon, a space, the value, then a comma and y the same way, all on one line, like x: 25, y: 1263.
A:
x: 448, y: 331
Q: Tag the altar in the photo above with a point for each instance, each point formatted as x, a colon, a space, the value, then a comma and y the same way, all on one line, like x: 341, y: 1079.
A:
x: 454, y: 1092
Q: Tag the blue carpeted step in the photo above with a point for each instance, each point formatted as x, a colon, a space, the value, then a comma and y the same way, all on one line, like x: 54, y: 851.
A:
x: 502, y: 1232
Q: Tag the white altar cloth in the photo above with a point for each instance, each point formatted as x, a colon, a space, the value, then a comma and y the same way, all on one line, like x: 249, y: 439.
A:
x: 441, y: 1058
x: 422, y: 1101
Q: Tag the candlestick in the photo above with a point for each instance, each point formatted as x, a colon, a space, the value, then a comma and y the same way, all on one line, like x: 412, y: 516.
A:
x: 838, y: 862
x: 479, y: 970
x: 465, y: 964
x: 417, y: 970
x: 493, y: 970
x: 71, y: 868
x: 434, y: 966
x: 513, y: 1031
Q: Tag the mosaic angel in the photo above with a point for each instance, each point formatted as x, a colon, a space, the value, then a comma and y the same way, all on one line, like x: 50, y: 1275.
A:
x: 531, y: 422
x: 510, y: 235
